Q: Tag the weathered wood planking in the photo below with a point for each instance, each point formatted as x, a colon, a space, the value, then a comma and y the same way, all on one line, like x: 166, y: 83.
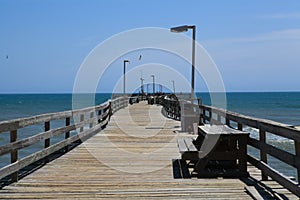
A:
x: 95, y: 123
x: 126, y: 160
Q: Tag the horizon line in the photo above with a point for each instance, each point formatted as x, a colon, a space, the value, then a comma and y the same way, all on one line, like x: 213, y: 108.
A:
x: 274, y: 91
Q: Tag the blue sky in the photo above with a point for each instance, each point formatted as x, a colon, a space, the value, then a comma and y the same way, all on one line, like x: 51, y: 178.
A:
x: 255, y: 44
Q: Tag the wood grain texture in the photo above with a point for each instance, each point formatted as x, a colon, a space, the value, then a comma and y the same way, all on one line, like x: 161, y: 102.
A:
x: 277, y: 128
x: 16, y: 124
x: 131, y: 159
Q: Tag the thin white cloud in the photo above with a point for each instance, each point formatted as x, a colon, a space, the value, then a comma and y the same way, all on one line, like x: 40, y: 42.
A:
x: 262, y: 62
x: 282, y: 16
x: 287, y: 34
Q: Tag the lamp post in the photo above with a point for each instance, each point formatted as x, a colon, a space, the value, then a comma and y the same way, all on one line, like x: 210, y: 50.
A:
x: 142, y: 86
x: 148, y: 89
x: 153, y: 84
x: 142, y: 83
x: 124, y: 78
x: 173, y: 86
x: 185, y: 28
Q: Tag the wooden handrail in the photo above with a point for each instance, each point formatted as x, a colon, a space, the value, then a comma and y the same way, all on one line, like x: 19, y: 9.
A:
x: 264, y: 126
x: 270, y: 126
x: 88, y: 120
x: 28, y: 121
x: 171, y: 106
x: 213, y: 115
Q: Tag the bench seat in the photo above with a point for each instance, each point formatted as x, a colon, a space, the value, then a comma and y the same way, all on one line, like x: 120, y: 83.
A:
x: 216, y: 147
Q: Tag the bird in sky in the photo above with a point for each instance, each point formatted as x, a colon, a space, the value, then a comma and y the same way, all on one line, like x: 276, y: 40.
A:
x: 140, y: 57
x: 6, y: 56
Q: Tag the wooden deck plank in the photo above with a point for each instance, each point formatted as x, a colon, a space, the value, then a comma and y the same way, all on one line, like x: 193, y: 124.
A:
x: 131, y: 159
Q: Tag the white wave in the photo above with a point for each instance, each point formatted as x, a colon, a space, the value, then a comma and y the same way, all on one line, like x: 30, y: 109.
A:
x: 270, y: 138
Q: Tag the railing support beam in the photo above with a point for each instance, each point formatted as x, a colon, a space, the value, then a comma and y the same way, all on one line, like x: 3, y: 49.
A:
x: 67, y: 134
x: 297, y: 151
x: 14, y: 154
x: 47, y: 141
x: 263, y: 155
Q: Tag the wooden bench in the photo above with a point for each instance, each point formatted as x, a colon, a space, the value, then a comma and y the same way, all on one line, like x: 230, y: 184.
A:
x: 186, y: 144
x: 218, y: 151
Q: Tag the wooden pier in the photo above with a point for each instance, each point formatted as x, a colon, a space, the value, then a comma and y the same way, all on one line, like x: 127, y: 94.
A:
x: 132, y: 158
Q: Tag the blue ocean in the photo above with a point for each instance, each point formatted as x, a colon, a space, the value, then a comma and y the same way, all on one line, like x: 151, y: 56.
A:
x: 282, y: 107
x: 14, y: 106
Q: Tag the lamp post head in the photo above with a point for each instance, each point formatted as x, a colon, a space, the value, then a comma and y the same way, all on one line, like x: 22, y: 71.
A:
x: 179, y: 29
x: 125, y: 61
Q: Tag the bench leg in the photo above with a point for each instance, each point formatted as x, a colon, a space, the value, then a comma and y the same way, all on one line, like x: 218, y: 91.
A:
x: 201, y: 164
x: 242, y: 158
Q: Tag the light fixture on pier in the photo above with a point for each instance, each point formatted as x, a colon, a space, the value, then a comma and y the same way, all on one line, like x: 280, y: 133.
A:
x: 124, y: 78
x: 142, y: 82
x: 185, y: 28
x: 142, y: 85
x: 153, y: 78
x: 173, y: 85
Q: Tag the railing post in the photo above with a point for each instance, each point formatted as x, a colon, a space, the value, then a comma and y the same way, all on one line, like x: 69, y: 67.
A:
x: 68, y: 121
x: 47, y: 141
x: 240, y: 126
x: 204, y: 116
x: 14, y: 154
x: 81, y: 120
x: 210, y: 117
x: 297, y: 151
x: 110, y: 110
x: 91, y: 117
x: 219, y: 118
x: 99, y: 116
x: 173, y: 108
x: 170, y: 109
x: 177, y: 109
x: 67, y: 134
x: 227, y: 121
x: 263, y: 155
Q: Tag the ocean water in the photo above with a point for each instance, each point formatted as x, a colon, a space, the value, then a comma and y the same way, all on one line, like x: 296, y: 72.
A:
x: 14, y: 106
x: 282, y: 107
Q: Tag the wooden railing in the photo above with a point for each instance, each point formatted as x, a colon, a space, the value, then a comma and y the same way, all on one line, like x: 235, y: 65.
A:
x: 214, y: 115
x: 220, y: 116
x: 171, y: 106
x: 76, y: 125
x: 119, y: 103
